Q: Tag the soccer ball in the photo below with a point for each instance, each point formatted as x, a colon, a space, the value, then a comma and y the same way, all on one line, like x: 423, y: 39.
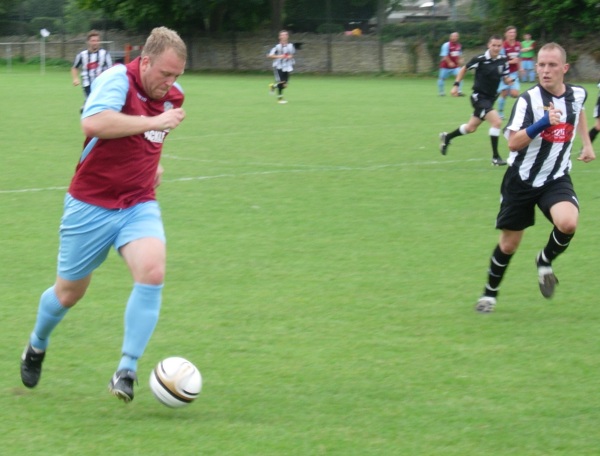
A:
x: 175, y: 382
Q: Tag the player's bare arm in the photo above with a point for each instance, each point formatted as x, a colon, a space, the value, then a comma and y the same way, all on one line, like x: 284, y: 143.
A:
x: 587, y: 152
x: 158, y: 176
x: 459, y: 77
x: 111, y: 124
x: 75, y: 76
x: 520, y: 139
x: 508, y: 80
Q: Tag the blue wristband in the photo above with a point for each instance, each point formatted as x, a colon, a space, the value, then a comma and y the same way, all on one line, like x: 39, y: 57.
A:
x: 535, y: 129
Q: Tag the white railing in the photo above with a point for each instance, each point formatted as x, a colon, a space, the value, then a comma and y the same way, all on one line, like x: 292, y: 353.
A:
x: 44, y: 49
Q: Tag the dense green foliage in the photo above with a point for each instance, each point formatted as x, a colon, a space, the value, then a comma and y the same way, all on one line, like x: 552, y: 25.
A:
x: 187, y: 16
x: 546, y: 19
x: 314, y: 15
x: 552, y: 19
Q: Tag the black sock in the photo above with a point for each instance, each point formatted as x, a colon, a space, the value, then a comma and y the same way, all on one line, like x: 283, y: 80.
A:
x: 557, y: 244
x: 494, y: 140
x: 453, y: 135
x: 498, y: 265
x: 593, y: 133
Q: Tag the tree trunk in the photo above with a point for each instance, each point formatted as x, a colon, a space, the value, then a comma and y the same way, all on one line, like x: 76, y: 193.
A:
x: 277, y: 8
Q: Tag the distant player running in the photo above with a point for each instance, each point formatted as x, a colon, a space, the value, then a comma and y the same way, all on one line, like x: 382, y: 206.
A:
x: 93, y: 61
x: 450, y: 63
x: 283, y: 64
x: 511, y: 48
x: 490, y: 68
x: 596, y: 128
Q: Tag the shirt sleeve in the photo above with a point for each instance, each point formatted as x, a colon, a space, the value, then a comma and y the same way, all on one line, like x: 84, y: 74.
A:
x: 109, y: 92
x: 521, y: 118
x: 77, y: 61
x: 473, y: 63
x: 444, y: 50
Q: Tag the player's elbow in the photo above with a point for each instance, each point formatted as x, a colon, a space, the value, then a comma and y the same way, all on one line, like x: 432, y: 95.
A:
x: 90, y: 127
x: 518, y: 142
x: 515, y: 140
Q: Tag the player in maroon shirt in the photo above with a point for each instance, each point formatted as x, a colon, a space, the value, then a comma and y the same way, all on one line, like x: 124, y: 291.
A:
x: 111, y: 202
x: 450, y: 63
x: 511, y: 48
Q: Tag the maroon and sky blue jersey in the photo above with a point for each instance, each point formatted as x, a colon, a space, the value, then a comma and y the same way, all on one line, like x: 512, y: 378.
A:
x: 119, y: 173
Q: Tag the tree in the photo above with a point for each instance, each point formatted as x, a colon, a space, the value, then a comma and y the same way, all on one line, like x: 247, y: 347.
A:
x: 77, y: 20
x: 6, y: 6
x: 308, y: 15
x: 186, y: 16
x: 560, y: 20
x: 277, y: 9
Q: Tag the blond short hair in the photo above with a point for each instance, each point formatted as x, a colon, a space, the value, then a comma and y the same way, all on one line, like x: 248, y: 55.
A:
x: 161, y: 39
x: 552, y: 47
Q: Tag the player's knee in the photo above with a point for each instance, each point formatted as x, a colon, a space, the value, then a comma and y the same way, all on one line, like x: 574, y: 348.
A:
x: 467, y: 129
x: 69, y: 297
x: 567, y: 226
x: 152, y: 274
x: 509, y: 245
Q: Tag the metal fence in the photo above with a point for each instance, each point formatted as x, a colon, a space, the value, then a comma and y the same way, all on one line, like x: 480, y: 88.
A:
x: 26, y: 50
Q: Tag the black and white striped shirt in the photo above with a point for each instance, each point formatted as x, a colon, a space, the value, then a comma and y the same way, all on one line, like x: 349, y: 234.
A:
x: 548, y: 156
x: 283, y: 64
x: 92, y: 64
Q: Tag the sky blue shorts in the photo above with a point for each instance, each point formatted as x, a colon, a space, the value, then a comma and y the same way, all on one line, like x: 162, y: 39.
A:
x: 514, y: 86
x: 87, y: 233
x: 444, y: 73
x: 527, y: 65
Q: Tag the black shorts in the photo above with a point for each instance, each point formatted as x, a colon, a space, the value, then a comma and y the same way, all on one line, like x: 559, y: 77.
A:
x: 517, y: 208
x: 282, y: 76
x: 597, y: 108
x: 482, y: 104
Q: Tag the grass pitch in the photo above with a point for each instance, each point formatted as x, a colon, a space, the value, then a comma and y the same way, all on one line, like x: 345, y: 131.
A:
x: 324, y: 260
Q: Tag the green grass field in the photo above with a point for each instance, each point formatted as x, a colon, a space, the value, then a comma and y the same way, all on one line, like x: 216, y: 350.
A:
x: 324, y: 260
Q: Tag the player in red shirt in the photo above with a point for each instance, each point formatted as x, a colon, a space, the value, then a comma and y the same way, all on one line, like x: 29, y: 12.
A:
x: 450, y: 63
x: 111, y: 202
x: 512, y: 49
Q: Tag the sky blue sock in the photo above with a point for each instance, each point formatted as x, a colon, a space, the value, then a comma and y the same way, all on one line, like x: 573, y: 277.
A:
x: 50, y: 313
x: 501, y: 103
x: 141, y: 316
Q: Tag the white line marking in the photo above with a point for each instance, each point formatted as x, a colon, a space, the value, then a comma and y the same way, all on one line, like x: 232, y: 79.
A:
x: 296, y: 168
x: 32, y: 190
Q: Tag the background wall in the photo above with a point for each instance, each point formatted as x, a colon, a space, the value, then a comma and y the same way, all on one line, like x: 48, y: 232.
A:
x: 319, y: 53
